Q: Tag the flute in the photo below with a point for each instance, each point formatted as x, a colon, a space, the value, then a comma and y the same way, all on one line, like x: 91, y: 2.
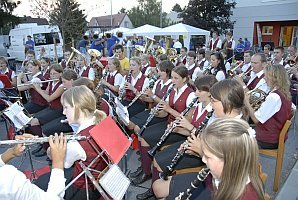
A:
x: 202, y: 175
x: 40, y: 140
x: 30, y: 83
x: 154, y: 111
x: 167, y: 132
x: 170, y: 168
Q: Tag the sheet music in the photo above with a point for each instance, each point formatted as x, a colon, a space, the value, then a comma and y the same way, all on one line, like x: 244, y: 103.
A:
x: 122, y: 112
x: 17, y: 116
x: 115, y: 182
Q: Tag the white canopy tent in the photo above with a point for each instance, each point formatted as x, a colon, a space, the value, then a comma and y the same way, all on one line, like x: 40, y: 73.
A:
x: 145, y: 30
x: 183, y: 29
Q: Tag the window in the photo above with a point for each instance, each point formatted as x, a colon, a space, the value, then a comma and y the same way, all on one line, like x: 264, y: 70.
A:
x: 45, y: 38
x: 267, y: 30
x: 126, y: 24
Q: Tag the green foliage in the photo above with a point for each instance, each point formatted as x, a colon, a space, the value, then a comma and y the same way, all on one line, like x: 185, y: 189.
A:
x: 210, y: 15
x: 122, y: 10
x: 177, y: 8
x: 147, y: 12
x: 70, y: 19
x: 7, y: 20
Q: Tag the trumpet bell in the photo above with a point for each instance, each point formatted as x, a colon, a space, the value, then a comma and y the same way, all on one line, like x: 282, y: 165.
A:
x: 94, y: 53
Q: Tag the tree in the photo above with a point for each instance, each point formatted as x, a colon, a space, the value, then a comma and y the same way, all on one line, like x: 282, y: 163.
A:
x: 122, y: 10
x: 7, y: 19
x: 147, y: 12
x: 66, y: 15
x: 177, y: 8
x: 210, y: 15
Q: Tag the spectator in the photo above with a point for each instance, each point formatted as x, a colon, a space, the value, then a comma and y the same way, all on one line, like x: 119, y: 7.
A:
x: 246, y: 44
x: 29, y: 44
x: 97, y: 43
x: 83, y: 44
x: 177, y: 45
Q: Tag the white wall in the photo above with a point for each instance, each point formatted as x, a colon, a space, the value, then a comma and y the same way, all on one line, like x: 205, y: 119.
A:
x: 247, y: 12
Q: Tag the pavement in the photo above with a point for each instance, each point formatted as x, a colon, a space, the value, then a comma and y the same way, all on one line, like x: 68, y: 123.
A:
x: 289, y: 174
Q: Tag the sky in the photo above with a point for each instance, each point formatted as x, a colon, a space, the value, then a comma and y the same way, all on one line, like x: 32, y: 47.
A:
x: 95, y: 8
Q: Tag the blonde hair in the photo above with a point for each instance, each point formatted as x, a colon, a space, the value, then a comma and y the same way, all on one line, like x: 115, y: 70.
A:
x: 229, y: 140
x: 83, y: 101
x: 137, y: 60
x: 278, y: 78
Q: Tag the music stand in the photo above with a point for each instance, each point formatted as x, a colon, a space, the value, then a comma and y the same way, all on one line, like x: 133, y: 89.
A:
x: 107, y: 136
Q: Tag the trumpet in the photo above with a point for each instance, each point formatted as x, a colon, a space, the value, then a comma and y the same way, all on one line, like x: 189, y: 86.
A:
x: 40, y: 140
x: 231, y: 71
x: 40, y: 82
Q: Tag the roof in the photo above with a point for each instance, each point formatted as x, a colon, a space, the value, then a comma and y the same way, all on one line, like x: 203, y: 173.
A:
x: 105, y: 21
x: 39, y: 21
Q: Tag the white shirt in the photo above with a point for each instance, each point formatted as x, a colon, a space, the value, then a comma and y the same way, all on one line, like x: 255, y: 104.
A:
x: 162, y: 84
x: 220, y: 75
x: 147, y: 70
x: 262, y: 85
x: 15, y: 186
x: 219, y: 43
x: 177, y: 45
x: 227, y: 66
x: 271, y: 105
x: 233, y: 43
x: 91, y: 74
x: 134, y: 81
x: 189, y: 99
x: 195, y: 73
x: 118, y: 78
x: 245, y: 67
x: 13, y: 74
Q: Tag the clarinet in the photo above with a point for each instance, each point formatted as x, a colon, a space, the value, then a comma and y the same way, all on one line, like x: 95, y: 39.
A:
x: 170, y: 168
x: 167, y: 132
x: 154, y: 111
x: 123, y: 91
x: 151, y: 84
x: 99, y: 83
x: 202, y: 175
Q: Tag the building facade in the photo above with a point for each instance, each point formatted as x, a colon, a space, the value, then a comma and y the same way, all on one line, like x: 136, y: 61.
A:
x: 267, y: 21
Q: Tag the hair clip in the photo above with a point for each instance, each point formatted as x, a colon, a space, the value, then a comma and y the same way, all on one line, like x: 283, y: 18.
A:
x: 251, y: 132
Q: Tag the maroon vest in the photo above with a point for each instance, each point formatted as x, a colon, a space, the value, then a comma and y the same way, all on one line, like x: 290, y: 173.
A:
x: 111, y: 79
x: 63, y: 63
x: 104, y: 106
x: 229, y: 51
x: 270, y: 130
x: 35, y: 96
x: 91, y: 154
x: 196, y: 122
x: 47, y: 75
x: 180, y: 104
x: 213, y: 46
x: 55, y: 103
x: 255, y: 82
x: 190, y: 72
x: 144, y: 69
x: 160, y: 92
x: 139, y: 84
x: 86, y: 72
x: 201, y: 65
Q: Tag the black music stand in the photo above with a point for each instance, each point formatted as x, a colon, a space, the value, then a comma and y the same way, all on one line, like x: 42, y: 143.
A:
x: 107, y: 136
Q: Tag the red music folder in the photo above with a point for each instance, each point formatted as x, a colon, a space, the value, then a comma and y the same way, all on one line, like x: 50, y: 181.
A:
x: 110, y: 137
x: 5, y: 80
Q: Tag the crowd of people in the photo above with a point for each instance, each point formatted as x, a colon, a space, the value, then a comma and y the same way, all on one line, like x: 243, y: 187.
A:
x: 196, y: 101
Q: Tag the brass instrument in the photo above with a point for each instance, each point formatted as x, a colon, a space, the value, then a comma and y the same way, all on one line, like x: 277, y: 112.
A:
x: 40, y: 140
x: 149, y: 42
x: 94, y: 53
x: 231, y: 71
x: 161, y: 50
x: 256, y: 97
x: 72, y: 55
x: 168, y: 42
x: 138, y: 50
x: 31, y: 83
x: 207, y: 70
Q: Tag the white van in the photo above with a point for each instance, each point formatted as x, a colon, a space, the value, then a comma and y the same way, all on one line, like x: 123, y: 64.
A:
x: 42, y: 36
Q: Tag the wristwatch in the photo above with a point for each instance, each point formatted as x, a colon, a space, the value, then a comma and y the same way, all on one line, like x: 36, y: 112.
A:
x: 153, y: 97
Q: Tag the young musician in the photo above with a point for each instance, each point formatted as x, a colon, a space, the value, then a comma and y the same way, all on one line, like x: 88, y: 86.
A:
x: 215, y: 42
x: 52, y: 95
x: 226, y: 61
x: 37, y: 102
x: 134, y: 83
x: 15, y: 185
x: 113, y: 77
x: 146, y: 68
x: 8, y: 72
x: 230, y: 151
x: 155, y: 95
x: 278, y: 54
x: 84, y: 70
x: 182, y: 57
x: 79, y: 106
x: 180, y: 97
x: 276, y: 109
x: 218, y: 67
x: 227, y: 101
x: 45, y: 66
x: 191, y: 64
